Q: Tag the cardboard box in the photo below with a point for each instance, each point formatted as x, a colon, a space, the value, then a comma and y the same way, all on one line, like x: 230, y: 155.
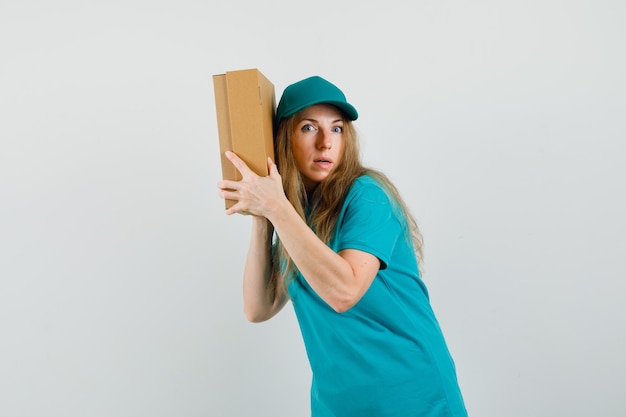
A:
x: 245, y: 104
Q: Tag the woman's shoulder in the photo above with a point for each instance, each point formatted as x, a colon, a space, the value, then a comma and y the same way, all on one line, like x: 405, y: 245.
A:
x: 366, y: 180
x: 368, y: 187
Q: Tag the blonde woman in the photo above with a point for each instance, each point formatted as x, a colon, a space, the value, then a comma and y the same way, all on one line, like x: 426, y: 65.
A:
x: 337, y: 240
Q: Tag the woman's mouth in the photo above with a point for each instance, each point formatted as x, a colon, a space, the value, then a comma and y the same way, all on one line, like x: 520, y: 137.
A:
x: 323, y: 162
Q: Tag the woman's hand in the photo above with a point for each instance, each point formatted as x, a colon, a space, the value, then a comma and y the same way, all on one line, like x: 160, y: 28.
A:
x: 255, y: 195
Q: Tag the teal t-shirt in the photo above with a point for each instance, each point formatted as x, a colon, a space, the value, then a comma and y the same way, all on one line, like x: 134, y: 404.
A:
x: 386, y: 356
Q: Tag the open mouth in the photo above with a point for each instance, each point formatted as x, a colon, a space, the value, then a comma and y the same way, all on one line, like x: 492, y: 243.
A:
x: 323, y: 161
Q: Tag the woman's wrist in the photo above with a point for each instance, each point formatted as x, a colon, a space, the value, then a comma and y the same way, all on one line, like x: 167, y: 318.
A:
x: 262, y: 225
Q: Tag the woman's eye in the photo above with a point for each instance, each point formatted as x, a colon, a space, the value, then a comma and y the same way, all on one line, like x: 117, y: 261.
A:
x: 337, y: 129
x: 307, y: 128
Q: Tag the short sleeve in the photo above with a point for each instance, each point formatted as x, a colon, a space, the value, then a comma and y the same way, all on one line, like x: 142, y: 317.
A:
x: 368, y: 222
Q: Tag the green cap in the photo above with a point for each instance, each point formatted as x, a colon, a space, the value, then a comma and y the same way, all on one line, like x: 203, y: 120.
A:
x: 310, y: 91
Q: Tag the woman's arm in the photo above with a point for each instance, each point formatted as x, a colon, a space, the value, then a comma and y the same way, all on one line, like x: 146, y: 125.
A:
x: 340, y: 279
x: 263, y: 296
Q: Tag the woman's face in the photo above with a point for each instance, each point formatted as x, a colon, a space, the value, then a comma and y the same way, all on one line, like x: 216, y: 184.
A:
x: 317, y: 142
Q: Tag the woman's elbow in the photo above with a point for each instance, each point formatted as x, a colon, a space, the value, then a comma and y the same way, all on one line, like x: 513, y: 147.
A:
x: 256, y: 319
x: 258, y: 313
x: 254, y: 316
x: 345, y: 303
x: 340, y: 309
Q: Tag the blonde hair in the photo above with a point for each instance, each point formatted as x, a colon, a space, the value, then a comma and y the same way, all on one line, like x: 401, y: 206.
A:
x: 324, y: 204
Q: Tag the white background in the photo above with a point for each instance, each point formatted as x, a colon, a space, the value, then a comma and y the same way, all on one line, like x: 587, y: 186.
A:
x: 502, y: 123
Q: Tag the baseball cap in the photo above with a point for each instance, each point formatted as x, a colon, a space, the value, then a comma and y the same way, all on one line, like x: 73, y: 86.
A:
x: 310, y: 91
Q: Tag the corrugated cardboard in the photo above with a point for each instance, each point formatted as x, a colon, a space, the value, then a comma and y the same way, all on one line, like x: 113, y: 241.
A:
x: 245, y: 105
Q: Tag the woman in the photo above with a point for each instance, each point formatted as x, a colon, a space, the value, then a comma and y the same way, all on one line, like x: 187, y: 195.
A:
x: 337, y: 239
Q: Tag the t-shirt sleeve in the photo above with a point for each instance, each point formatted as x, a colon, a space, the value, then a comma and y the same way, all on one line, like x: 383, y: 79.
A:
x: 370, y: 223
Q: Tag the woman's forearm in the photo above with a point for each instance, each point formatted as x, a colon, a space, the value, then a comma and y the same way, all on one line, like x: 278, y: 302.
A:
x: 262, y: 297
x: 339, y: 281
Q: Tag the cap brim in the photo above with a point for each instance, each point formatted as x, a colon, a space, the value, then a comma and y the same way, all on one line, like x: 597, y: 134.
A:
x: 346, y: 108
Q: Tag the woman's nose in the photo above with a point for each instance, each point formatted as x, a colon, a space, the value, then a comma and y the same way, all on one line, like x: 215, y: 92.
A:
x: 324, y: 141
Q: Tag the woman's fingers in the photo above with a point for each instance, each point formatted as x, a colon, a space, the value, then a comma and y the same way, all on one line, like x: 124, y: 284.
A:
x: 228, y: 194
x: 235, y: 209
x: 239, y: 164
x: 272, y: 168
x: 228, y: 185
x: 253, y: 194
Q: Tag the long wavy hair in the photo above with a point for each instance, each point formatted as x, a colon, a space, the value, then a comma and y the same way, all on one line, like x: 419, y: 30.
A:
x: 321, y: 208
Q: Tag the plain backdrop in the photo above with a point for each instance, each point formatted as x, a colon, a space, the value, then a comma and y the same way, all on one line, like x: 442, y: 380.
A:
x: 501, y: 122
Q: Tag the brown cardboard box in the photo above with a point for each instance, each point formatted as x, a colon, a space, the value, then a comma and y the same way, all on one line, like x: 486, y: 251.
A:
x: 245, y: 105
